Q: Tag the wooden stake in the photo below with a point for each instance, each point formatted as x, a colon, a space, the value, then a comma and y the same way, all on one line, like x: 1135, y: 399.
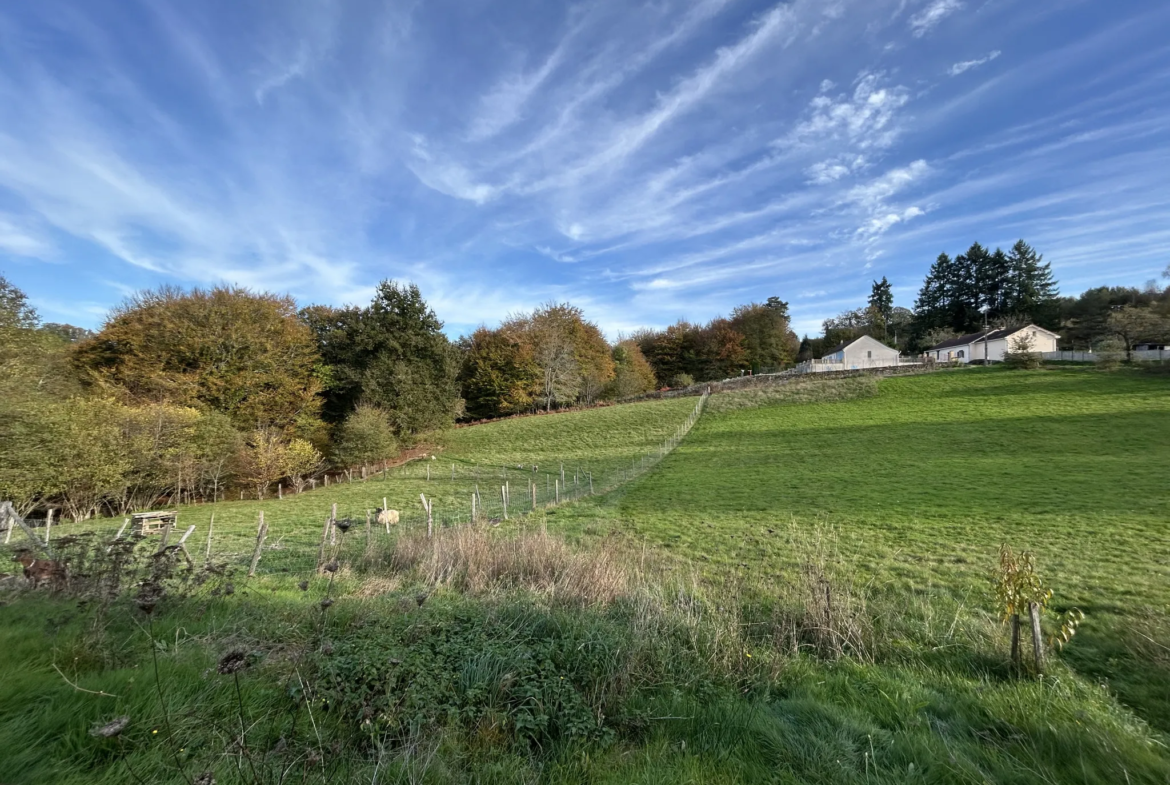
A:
x: 48, y: 525
x: 210, y: 528
x: 333, y: 525
x: 162, y: 545
x: 183, y: 547
x: 280, y: 490
x: 504, y: 498
x: 558, y: 484
x: 430, y: 520
x: 532, y: 488
x: 261, y: 535
x: 473, y: 508
x: 324, y: 540
x: 369, y: 532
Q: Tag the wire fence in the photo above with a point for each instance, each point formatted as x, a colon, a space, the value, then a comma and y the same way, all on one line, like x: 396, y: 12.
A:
x: 449, y: 493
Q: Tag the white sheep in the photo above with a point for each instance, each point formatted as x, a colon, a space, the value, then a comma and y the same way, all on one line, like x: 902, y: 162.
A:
x: 387, y: 518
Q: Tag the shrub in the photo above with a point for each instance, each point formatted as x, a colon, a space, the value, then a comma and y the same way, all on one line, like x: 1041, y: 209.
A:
x: 1110, y: 353
x: 682, y: 380
x: 365, y: 437
x: 1021, y: 354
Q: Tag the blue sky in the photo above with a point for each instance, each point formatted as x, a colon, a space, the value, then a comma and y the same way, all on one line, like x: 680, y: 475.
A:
x: 647, y: 161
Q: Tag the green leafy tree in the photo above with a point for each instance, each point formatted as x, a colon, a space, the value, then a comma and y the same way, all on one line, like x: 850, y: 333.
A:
x: 262, y: 460
x: 393, y: 355
x: 366, y: 437
x: 301, y: 461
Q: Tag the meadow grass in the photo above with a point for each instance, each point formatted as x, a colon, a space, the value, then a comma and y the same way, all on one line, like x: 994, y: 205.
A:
x: 797, y: 594
x: 924, y: 481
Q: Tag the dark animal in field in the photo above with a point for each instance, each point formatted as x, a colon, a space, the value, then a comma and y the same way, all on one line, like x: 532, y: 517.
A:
x: 38, y: 571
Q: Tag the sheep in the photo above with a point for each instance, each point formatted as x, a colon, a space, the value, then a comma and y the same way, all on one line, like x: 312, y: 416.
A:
x: 386, y: 517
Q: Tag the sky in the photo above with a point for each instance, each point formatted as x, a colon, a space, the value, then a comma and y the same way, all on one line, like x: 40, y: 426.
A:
x: 647, y: 161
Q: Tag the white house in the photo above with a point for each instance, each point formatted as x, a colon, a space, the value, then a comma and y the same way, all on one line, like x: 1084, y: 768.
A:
x: 990, y: 345
x: 863, y: 352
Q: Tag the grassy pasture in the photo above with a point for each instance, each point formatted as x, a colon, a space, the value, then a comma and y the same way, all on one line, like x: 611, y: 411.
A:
x: 600, y: 441
x: 896, y: 495
x: 922, y: 482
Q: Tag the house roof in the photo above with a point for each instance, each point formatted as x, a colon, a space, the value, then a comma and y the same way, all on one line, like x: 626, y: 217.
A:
x: 844, y: 344
x: 986, y: 335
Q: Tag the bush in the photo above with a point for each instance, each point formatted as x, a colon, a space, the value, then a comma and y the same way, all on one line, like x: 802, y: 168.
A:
x: 682, y: 380
x: 1110, y: 353
x: 1021, y: 355
x: 365, y: 437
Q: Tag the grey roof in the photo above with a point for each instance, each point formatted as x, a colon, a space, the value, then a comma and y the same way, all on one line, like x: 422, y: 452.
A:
x: 963, y: 340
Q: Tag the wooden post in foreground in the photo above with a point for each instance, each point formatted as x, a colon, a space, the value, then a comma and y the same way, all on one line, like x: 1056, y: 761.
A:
x: 210, y: 528
x: 261, y: 535
x: 1037, y: 637
x: 504, y: 499
x: 473, y: 508
x: 324, y: 540
x: 332, y: 528
x: 428, y: 506
x: 166, y: 535
x: 48, y: 525
x: 532, y: 488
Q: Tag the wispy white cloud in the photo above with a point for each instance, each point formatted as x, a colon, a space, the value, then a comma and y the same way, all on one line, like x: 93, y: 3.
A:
x: 864, y: 117
x: 19, y: 239
x: 967, y: 65
x: 922, y: 22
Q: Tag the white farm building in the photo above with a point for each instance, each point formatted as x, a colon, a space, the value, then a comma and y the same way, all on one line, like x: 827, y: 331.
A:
x: 990, y: 345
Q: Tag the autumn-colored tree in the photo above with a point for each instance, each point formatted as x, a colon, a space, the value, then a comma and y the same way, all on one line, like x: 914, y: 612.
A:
x: 570, y: 353
x: 632, y: 373
x: 227, y: 349
x: 722, y: 349
x: 499, y: 373
x: 261, y: 461
x: 768, y: 338
x: 301, y: 462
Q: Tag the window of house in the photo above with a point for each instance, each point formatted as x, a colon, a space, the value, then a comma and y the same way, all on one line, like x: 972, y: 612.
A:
x: 960, y: 354
x: 869, y: 355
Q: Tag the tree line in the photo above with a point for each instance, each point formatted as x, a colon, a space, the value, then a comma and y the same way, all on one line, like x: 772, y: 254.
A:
x: 982, y: 287
x: 182, y: 395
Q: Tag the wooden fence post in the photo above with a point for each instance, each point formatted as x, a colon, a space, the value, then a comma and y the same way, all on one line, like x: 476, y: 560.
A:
x: 324, y: 540
x: 428, y: 506
x: 48, y: 525
x: 532, y: 488
x: 183, y: 546
x: 369, y: 532
x: 261, y: 535
x: 210, y: 528
x: 332, y: 526
x: 504, y: 499
x: 558, y: 484
x: 473, y: 508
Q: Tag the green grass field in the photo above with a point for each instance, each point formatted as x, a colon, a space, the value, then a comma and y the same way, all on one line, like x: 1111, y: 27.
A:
x: 923, y: 482
x: 713, y: 669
